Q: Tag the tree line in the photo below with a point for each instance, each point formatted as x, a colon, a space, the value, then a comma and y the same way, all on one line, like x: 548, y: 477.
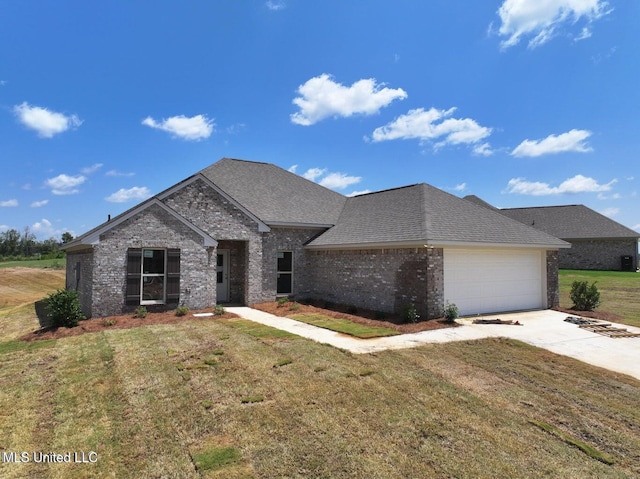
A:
x: 16, y: 245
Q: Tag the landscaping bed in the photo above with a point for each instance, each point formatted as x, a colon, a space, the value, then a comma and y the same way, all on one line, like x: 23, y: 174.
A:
x: 364, y: 317
x: 125, y: 321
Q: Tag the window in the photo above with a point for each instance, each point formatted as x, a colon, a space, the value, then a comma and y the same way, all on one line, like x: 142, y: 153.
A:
x: 285, y: 273
x: 153, y: 276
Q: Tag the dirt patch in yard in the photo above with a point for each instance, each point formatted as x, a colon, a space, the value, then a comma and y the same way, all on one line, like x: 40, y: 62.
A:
x: 361, y: 316
x: 126, y: 321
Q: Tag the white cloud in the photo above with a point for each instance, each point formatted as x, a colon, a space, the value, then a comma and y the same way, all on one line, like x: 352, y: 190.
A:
x: 293, y: 168
x: 321, y: 97
x: 432, y: 125
x: 461, y: 187
x: 118, y: 173
x: 610, y: 212
x: 339, y: 181
x: 91, y: 169
x: 573, y: 140
x: 135, y: 193
x: 615, y: 196
x: 195, y: 128
x: 43, y: 227
x: 335, y: 180
x: 275, y: 5
x: 9, y: 203
x: 577, y: 184
x: 483, y: 149
x: 65, y: 184
x: 46, y: 122
x: 39, y: 204
x: 313, y: 173
x: 636, y: 227
x: 539, y: 19
x: 356, y: 193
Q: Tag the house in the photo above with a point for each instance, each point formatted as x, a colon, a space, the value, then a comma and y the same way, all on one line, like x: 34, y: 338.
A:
x: 597, y: 242
x: 246, y: 232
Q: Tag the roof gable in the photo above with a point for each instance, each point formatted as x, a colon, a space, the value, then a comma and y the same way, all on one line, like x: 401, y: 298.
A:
x: 274, y: 195
x: 570, y: 222
x: 93, y: 236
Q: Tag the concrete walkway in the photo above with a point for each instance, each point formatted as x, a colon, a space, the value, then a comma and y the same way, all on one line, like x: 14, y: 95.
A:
x: 544, y: 329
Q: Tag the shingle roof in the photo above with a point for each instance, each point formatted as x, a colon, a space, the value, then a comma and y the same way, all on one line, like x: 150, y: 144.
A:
x: 275, y: 195
x: 570, y: 222
x: 422, y: 214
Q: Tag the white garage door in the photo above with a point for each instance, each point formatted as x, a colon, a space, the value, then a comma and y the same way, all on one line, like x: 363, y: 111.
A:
x: 493, y: 280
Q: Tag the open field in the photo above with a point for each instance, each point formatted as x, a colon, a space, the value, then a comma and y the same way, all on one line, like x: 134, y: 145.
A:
x: 619, y: 291
x: 20, y: 288
x: 58, y: 263
x: 234, y: 399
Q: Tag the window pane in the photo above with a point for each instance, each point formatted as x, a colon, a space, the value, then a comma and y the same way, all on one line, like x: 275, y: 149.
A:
x: 219, y: 278
x: 284, y: 283
x: 220, y: 260
x: 153, y: 288
x: 285, y: 261
x: 153, y: 261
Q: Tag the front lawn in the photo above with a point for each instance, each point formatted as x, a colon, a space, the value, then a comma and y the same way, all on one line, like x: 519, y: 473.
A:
x: 619, y: 292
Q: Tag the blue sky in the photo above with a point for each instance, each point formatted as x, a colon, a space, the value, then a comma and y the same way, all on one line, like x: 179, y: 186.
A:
x: 520, y: 102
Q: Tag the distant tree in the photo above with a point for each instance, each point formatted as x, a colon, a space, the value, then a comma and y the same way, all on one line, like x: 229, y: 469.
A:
x: 27, y: 242
x: 67, y: 237
x: 10, y: 243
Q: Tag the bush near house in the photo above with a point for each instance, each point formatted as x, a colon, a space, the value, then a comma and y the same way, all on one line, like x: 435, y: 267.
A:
x: 585, y: 296
x: 63, y: 308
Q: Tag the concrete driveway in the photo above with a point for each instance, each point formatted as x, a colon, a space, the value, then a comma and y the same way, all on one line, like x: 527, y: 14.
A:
x: 545, y: 329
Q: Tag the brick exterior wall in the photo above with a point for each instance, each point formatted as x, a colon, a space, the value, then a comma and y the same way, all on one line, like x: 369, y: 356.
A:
x: 553, y: 282
x: 79, y: 277
x: 598, y: 254
x: 385, y: 280
x: 152, y: 228
x: 287, y: 239
x: 222, y: 220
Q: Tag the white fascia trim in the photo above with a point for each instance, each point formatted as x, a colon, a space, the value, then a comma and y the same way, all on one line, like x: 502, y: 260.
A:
x: 284, y: 224
x: 94, y: 238
x: 465, y: 244
x: 433, y: 244
x: 262, y: 227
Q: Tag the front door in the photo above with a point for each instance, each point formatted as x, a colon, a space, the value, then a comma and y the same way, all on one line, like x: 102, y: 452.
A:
x: 222, y: 276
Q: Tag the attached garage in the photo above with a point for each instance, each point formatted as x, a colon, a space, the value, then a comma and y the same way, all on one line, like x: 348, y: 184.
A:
x: 487, y: 280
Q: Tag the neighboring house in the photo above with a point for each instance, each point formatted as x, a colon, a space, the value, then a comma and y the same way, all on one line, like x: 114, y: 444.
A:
x: 597, y: 242
x: 246, y: 232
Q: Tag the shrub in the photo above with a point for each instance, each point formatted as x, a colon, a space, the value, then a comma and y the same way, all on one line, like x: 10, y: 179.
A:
x: 219, y: 310
x: 182, y: 311
x: 282, y: 301
x: 294, y: 307
x: 109, y: 321
x: 450, y: 312
x: 585, y: 297
x: 411, y: 314
x: 63, y: 308
x: 140, y: 312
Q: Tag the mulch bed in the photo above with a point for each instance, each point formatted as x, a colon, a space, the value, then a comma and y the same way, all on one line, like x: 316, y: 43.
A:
x: 362, y: 316
x: 126, y: 321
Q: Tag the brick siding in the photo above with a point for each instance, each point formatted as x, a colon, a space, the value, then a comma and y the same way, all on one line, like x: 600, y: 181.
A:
x: 598, y: 254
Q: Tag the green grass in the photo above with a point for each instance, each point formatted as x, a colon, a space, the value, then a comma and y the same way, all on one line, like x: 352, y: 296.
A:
x: 461, y: 409
x: 58, y: 263
x: 619, y: 291
x: 344, y: 326
x: 216, y: 458
x: 588, y: 450
x: 15, y: 345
